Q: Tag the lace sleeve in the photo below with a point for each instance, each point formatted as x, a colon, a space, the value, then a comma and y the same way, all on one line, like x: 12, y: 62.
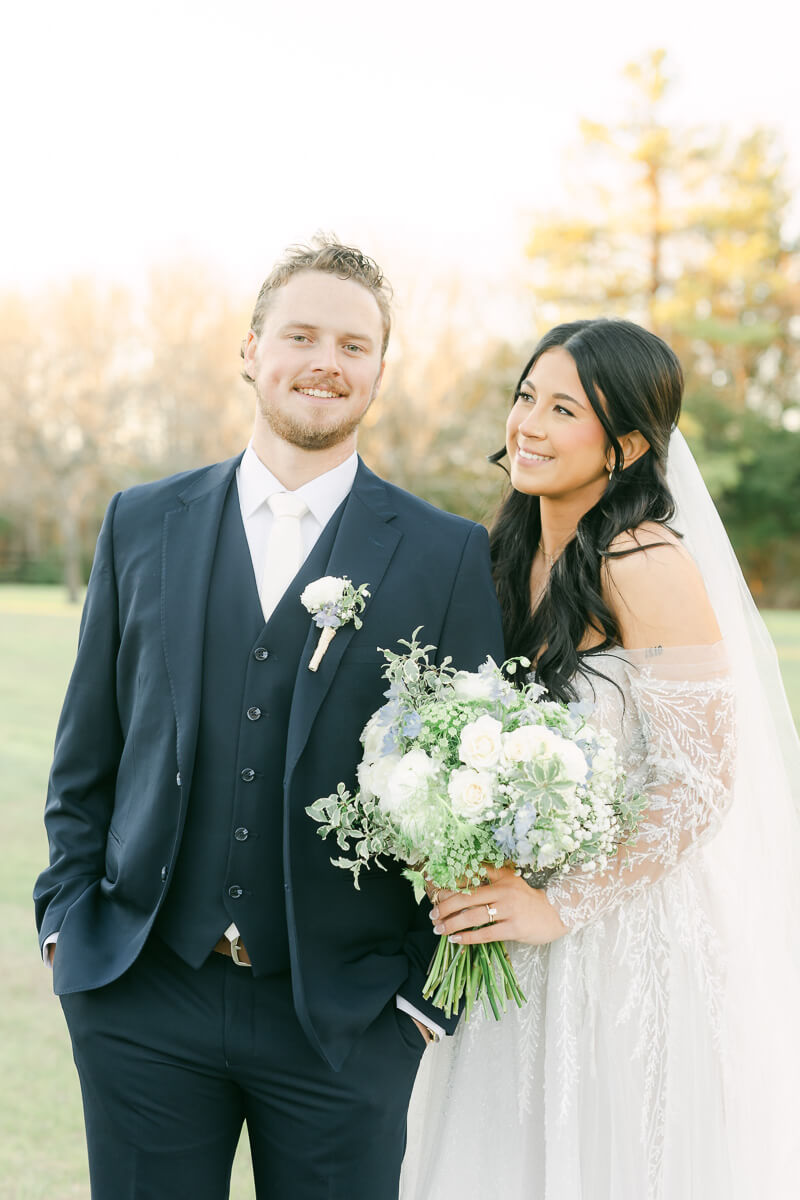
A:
x: 678, y: 733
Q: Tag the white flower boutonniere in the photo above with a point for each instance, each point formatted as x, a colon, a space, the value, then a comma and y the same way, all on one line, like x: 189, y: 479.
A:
x: 333, y: 602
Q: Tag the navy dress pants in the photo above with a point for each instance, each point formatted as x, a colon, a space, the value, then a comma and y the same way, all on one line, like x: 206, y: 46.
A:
x: 173, y: 1060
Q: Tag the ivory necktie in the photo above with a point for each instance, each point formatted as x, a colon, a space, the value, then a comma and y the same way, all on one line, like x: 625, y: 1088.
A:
x: 284, y: 555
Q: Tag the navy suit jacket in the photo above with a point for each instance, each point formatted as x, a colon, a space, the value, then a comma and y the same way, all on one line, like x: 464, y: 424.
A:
x: 125, y: 747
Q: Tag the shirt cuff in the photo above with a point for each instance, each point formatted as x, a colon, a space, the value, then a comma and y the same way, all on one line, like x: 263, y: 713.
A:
x: 423, y: 1018
x: 50, y: 941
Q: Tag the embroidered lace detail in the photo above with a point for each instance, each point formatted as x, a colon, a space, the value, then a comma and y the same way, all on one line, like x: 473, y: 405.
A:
x: 674, y: 720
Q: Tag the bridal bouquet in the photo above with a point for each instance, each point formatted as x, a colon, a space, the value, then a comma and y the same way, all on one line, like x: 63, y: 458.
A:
x: 463, y: 769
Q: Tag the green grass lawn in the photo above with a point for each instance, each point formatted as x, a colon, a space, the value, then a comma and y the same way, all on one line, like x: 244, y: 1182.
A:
x: 42, y: 1149
x: 42, y: 1154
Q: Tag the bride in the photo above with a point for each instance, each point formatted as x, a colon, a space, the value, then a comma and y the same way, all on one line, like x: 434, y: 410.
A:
x: 657, y: 1056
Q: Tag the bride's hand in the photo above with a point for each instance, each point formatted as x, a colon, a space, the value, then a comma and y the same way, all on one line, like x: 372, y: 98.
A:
x: 521, y: 913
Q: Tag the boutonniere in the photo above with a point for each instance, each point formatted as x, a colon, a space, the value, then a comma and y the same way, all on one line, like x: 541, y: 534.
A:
x: 333, y: 602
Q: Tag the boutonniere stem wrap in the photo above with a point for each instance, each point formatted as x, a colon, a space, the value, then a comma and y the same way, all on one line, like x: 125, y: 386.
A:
x: 333, y: 602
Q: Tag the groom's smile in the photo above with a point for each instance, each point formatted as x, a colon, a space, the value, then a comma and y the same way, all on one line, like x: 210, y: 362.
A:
x: 319, y: 391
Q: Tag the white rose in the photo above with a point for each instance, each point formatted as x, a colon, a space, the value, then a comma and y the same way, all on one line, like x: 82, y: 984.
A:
x: 572, y: 758
x: 327, y: 590
x: 530, y: 742
x: 374, y: 775
x: 481, y: 745
x: 469, y: 685
x: 410, y: 775
x: 523, y: 744
x: 471, y: 792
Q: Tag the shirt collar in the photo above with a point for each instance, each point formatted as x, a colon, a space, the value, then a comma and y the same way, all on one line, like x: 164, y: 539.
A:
x: 323, y: 495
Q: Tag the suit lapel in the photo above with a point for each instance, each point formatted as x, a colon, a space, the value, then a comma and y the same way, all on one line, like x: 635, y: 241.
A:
x: 189, y: 540
x: 363, y: 549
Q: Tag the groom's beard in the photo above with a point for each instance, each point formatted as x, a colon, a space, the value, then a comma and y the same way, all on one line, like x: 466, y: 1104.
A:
x: 308, y: 434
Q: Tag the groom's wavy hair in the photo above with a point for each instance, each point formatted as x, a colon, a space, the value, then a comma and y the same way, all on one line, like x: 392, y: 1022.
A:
x: 331, y: 257
x: 633, y: 380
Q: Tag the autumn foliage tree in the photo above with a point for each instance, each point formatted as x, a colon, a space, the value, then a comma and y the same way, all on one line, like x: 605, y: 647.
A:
x: 683, y: 230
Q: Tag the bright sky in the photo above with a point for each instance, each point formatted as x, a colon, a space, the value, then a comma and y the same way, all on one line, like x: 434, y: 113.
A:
x: 425, y: 131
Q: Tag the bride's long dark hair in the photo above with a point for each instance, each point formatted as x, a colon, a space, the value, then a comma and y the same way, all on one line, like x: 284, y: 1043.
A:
x: 641, y: 382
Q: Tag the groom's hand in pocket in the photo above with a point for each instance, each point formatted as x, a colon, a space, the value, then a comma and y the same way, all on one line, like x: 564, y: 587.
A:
x: 426, y: 1033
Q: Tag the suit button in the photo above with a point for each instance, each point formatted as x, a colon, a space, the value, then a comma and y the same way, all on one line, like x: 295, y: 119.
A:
x: 234, y: 891
x: 163, y: 874
x: 241, y: 834
x: 178, y: 779
x: 253, y: 714
x: 248, y: 775
x: 260, y: 653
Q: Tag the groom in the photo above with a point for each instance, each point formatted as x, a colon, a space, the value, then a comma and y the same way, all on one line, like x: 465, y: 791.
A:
x: 213, y: 966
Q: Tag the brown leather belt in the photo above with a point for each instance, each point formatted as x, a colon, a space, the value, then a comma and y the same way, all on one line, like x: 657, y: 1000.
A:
x: 223, y: 946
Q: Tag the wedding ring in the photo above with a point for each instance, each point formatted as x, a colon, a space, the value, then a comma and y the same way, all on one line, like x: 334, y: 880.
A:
x: 492, y: 911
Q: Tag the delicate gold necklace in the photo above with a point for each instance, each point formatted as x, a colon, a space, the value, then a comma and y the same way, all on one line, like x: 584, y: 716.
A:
x: 551, y: 558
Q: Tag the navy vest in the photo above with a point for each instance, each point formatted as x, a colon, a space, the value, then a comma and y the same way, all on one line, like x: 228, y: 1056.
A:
x: 230, y: 863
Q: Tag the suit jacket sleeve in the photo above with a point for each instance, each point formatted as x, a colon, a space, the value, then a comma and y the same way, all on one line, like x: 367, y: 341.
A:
x: 472, y: 629
x: 88, y: 745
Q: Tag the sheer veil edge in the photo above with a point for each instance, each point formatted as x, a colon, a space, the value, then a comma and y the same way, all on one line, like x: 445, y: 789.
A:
x: 753, y: 863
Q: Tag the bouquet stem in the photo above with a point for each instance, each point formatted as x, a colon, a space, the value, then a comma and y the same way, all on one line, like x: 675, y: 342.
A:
x: 472, y: 973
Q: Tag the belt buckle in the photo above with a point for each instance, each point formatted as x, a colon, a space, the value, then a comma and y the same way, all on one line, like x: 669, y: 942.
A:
x: 233, y: 936
x: 235, y: 944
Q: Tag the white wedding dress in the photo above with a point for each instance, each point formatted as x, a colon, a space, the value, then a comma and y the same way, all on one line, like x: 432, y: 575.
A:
x: 657, y: 1057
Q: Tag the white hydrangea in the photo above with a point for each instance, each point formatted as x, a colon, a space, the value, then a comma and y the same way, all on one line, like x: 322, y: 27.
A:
x: 411, y: 776
x: 373, y: 736
x: 374, y: 774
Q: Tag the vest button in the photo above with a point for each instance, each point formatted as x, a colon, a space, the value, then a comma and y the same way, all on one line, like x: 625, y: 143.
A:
x: 248, y: 774
x: 234, y: 891
x: 260, y: 653
x: 253, y: 714
x: 241, y: 834
x: 178, y: 779
x: 163, y: 874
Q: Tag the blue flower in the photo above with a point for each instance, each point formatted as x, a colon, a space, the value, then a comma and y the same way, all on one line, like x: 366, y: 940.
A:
x: 412, y: 724
x: 390, y: 742
x: 524, y: 820
x: 389, y: 713
x: 505, y: 840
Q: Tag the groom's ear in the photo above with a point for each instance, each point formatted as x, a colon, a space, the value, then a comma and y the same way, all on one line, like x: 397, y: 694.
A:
x: 249, y: 347
x: 379, y: 380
